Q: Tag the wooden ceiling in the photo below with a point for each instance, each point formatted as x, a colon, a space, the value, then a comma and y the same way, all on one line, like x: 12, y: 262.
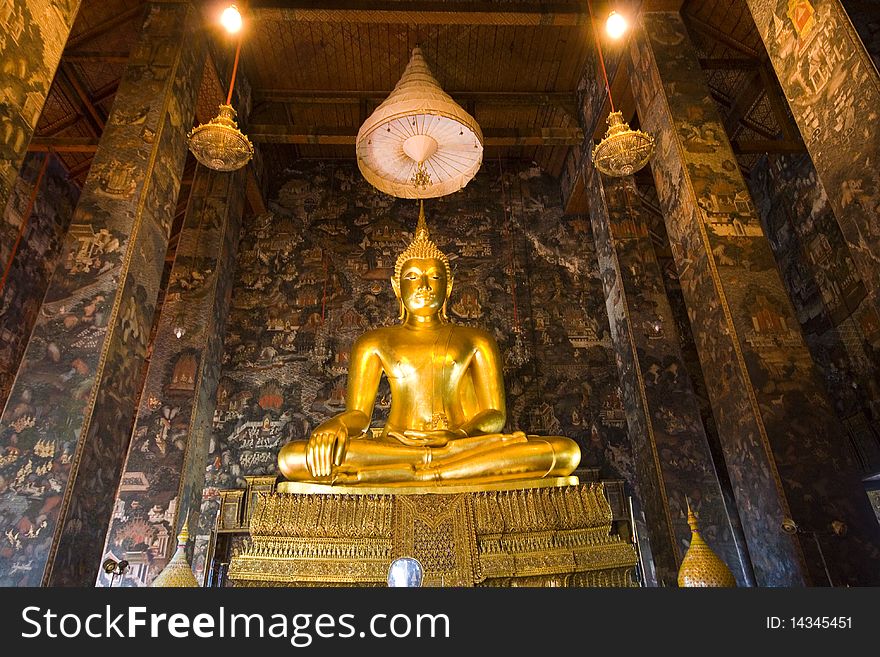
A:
x: 317, y: 69
x: 741, y: 79
x: 317, y: 77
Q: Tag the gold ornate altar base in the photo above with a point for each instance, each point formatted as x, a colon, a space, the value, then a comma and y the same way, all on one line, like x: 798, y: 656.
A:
x: 549, y: 532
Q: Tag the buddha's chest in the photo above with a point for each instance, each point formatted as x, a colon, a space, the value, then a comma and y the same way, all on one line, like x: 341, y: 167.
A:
x: 442, y: 357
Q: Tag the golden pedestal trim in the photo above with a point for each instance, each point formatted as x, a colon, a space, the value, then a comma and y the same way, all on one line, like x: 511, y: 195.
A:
x: 424, y: 489
x: 553, y: 532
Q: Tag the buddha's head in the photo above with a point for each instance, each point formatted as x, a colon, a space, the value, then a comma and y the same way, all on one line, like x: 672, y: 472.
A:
x: 422, y: 278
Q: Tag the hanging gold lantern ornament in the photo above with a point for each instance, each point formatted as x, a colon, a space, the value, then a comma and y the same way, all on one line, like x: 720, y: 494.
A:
x: 419, y: 143
x: 622, y: 151
x: 219, y: 144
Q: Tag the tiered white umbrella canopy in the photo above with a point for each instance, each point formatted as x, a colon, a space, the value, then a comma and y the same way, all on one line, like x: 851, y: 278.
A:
x: 419, y: 143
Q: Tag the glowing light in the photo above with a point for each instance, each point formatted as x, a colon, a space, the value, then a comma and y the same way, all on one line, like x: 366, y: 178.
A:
x: 616, y: 25
x: 231, y: 19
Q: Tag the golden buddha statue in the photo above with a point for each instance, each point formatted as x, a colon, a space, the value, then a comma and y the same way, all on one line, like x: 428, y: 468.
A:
x: 447, y: 408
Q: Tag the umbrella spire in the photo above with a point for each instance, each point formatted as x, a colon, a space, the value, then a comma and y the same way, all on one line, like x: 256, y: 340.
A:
x: 419, y: 143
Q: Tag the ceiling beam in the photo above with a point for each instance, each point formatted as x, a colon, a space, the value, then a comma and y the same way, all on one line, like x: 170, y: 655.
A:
x: 714, y: 33
x: 661, y: 5
x: 558, y: 13
x: 107, y: 91
x: 778, y: 105
x: 321, y: 97
x: 80, y: 169
x: 66, y: 87
x: 58, y: 126
x: 102, y: 28
x: 749, y: 123
x: 742, y: 105
x: 564, y: 100
x: 533, y: 137
x: 292, y: 134
x: 63, y: 145
x: 423, y: 12
x: 728, y: 63
x: 91, y: 112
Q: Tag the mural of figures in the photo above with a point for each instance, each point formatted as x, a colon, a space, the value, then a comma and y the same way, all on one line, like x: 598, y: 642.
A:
x: 35, y: 259
x: 314, y: 273
x: 838, y: 321
x: 765, y: 393
x: 81, y: 371
x: 833, y: 89
x: 32, y: 35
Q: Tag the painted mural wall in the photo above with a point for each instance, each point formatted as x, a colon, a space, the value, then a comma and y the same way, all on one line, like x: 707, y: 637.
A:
x: 81, y: 372
x: 36, y: 256
x: 313, y: 274
x: 837, y: 319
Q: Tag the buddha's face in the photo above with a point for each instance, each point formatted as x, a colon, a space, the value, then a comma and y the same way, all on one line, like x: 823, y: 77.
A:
x: 423, y: 286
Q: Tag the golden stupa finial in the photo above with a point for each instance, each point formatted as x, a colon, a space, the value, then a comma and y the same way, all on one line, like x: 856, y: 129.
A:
x: 177, y: 572
x: 183, y: 536
x: 692, y: 518
x: 701, y: 567
x: 422, y: 226
x: 421, y: 247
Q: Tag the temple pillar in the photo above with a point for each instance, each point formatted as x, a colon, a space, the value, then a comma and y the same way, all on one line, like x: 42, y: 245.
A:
x: 828, y: 294
x: 165, y: 466
x: 833, y: 89
x: 672, y: 456
x: 66, y: 427
x: 784, y: 450
x: 32, y: 36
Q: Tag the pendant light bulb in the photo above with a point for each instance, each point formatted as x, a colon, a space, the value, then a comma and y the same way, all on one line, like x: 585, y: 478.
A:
x: 616, y: 25
x: 231, y: 19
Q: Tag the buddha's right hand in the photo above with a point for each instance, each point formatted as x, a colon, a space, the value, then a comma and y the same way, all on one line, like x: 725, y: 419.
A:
x: 326, y: 449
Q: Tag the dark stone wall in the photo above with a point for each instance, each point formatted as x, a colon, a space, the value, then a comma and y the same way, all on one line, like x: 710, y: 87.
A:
x: 328, y: 249
x: 865, y: 18
x: 829, y: 297
x: 36, y: 257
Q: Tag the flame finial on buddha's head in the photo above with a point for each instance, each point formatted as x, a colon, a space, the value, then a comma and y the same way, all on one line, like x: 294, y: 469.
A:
x: 421, y: 247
